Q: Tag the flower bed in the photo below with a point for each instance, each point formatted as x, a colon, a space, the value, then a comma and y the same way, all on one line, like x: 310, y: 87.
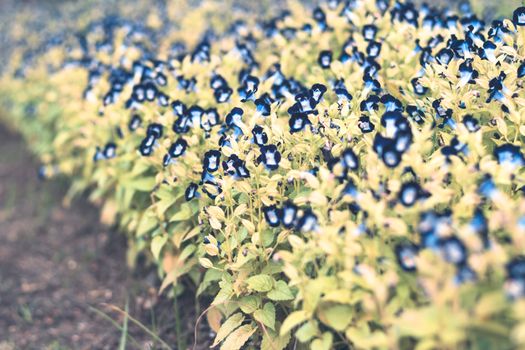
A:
x: 350, y: 176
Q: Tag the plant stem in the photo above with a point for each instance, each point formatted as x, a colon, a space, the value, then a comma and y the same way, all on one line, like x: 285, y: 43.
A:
x: 178, y: 329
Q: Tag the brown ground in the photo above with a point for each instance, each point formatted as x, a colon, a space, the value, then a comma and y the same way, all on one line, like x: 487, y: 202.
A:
x: 56, y: 263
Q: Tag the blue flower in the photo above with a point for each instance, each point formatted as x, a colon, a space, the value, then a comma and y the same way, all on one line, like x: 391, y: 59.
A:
x: 325, y: 59
x: 409, y: 193
x: 138, y: 94
x: 320, y: 17
x: 217, y: 81
x: 214, y: 191
x: 393, y: 121
x: 163, y: 99
x: 211, y: 161
x: 453, y: 250
x: 369, y: 32
x: 521, y: 70
x: 222, y: 94
x: 146, y: 146
x: 110, y: 150
x: 403, y: 140
x: 270, y: 157
x: 465, y: 274
x: 416, y: 114
x: 263, y: 104
x: 406, y: 254
x: 370, y: 104
x: 373, y: 49
x: 371, y: 67
x: 307, y: 222
x: 182, y: 124
x: 178, y: 148
x: 479, y: 225
x: 234, y: 117
x: 509, y: 154
x: 99, y: 155
x: 371, y: 84
x: 518, y: 17
x: 298, y: 122
x: 343, y: 95
x: 179, y: 108
x: 288, y: 214
x: 260, y: 138
x: 487, y: 187
x: 209, y: 118
x: 161, y: 79
x: 365, y: 125
x: 271, y: 215
x: 248, y: 88
x: 444, y: 56
x: 151, y: 91
x: 471, y: 123
x: 317, y: 91
x: 488, y: 51
x: 516, y: 267
x: 134, y: 123
x: 350, y: 159
x: 419, y: 89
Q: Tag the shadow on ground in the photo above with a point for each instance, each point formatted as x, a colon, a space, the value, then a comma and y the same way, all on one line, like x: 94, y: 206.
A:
x: 57, y: 264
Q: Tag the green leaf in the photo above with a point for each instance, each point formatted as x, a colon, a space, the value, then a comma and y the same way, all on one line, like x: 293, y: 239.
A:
x: 225, y: 293
x: 184, y: 212
x: 156, y: 245
x: 338, y: 316
x: 272, y: 268
x: 146, y: 224
x: 186, y: 252
x: 260, y: 283
x: 272, y: 341
x: 323, y: 343
x: 143, y: 184
x: 281, y: 291
x: 206, y: 263
x: 164, y: 205
x: 249, y: 304
x: 266, y: 316
x: 227, y: 327
x: 293, y: 319
x: 237, y: 339
x: 307, y: 331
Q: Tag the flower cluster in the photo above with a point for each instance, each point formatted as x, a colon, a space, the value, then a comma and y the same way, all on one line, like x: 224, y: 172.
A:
x: 352, y: 175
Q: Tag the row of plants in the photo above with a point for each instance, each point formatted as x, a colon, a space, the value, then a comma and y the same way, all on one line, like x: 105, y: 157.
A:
x: 349, y: 175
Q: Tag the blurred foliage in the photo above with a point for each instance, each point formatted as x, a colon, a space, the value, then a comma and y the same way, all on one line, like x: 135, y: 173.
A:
x: 492, y: 9
x: 335, y: 276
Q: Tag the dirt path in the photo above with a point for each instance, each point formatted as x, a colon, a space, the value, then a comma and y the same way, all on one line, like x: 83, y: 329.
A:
x: 56, y: 263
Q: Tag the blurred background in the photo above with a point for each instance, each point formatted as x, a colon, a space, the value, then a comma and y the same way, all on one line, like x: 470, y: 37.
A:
x: 70, y: 261
x: 46, y: 13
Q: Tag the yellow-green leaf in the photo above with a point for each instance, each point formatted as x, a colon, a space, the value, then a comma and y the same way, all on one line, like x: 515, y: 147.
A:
x: 272, y: 341
x: 323, y: 343
x: 156, y: 245
x: 206, y: 263
x: 184, y: 212
x: 266, y: 315
x: 293, y: 319
x: 143, y: 184
x: 227, y: 327
x: 281, y: 291
x: 249, y: 304
x: 237, y: 339
x: 260, y: 283
x: 338, y: 316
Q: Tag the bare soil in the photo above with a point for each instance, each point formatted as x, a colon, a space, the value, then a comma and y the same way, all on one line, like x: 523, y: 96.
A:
x: 58, y: 265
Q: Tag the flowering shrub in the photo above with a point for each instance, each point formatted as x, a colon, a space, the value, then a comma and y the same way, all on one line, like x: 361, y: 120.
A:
x: 347, y: 177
